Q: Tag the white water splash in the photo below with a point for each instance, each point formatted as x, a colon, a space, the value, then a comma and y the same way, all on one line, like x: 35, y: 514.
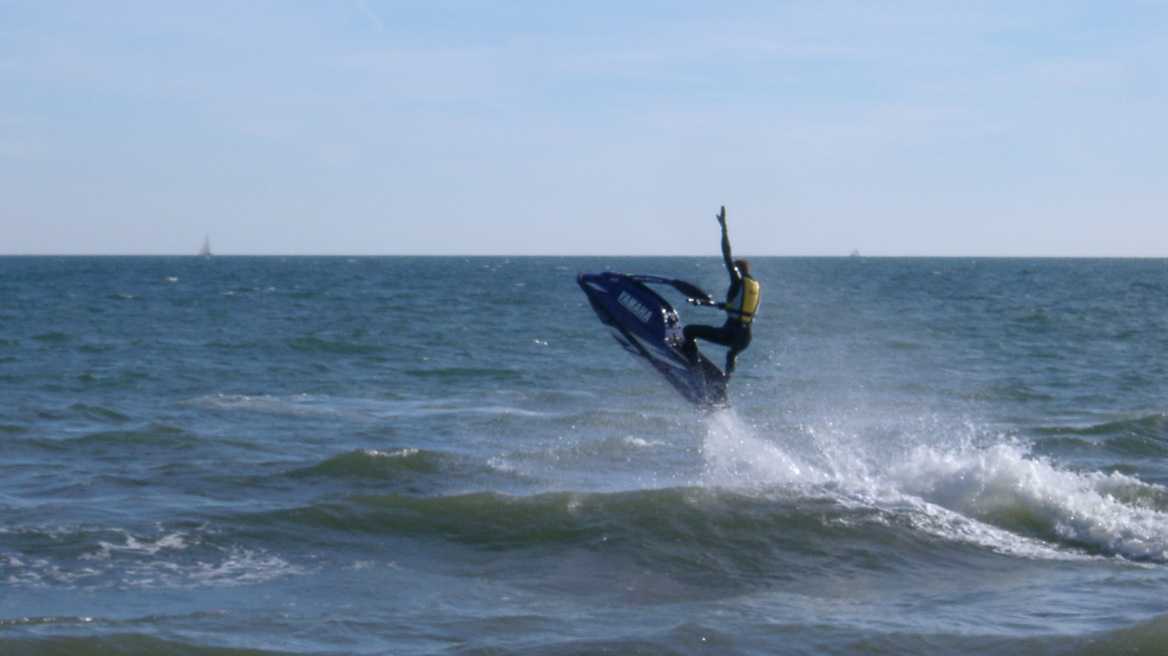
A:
x: 1006, y: 486
x: 998, y: 495
x: 736, y: 457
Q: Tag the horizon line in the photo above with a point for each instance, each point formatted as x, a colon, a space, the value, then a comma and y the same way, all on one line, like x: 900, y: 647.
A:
x: 587, y: 255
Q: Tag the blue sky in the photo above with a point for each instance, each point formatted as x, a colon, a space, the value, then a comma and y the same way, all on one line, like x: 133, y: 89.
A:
x: 1034, y: 128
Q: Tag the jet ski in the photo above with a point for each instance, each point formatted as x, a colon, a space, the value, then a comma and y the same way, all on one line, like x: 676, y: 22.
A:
x: 647, y: 326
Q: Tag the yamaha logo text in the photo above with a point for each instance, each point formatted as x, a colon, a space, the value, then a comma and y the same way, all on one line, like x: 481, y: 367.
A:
x: 633, y: 305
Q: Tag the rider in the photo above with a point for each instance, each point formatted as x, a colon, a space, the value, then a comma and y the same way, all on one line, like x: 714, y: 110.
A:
x: 741, y: 304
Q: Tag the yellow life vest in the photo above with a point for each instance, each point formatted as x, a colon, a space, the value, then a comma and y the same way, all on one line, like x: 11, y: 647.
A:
x: 745, y: 302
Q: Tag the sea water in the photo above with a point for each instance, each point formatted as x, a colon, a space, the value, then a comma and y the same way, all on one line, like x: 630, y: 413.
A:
x: 453, y: 456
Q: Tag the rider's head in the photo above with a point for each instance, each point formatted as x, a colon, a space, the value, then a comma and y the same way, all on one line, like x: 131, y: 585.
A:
x: 743, y: 267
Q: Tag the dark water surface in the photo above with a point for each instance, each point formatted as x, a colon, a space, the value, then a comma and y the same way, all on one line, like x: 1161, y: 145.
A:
x: 451, y: 455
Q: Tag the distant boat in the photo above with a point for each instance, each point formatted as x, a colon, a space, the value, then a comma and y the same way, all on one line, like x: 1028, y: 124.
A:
x: 855, y: 253
x: 205, y: 251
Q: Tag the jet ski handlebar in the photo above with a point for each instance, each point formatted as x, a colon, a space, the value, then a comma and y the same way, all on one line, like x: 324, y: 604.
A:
x: 694, y: 293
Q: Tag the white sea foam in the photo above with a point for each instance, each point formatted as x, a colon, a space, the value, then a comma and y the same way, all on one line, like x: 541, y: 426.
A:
x: 1006, y: 486
x: 173, y: 541
x: 127, y: 560
x: 397, y: 453
x: 235, y: 566
x: 356, y: 408
x: 242, y: 567
x: 996, y: 494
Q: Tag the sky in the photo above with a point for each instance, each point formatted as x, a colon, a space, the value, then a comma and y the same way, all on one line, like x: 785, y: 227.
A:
x: 515, y: 127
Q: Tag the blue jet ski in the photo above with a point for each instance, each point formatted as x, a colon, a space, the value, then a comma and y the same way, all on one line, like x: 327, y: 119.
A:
x: 647, y: 326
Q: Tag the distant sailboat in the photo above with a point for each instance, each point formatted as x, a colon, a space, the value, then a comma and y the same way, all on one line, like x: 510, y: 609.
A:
x: 205, y: 251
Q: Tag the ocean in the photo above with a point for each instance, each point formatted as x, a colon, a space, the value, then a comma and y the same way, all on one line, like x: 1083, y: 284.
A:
x: 446, y: 455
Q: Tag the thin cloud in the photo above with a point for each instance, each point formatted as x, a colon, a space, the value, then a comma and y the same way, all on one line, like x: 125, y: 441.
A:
x: 377, y: 24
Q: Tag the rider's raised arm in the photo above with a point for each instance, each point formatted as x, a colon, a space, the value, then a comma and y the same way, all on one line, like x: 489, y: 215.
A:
x: 726, y: 256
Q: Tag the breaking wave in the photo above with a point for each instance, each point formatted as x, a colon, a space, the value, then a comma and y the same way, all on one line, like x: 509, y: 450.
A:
x: 1000, y: 495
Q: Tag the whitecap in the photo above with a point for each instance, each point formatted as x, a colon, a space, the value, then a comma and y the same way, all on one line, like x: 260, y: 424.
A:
x: 995, y: 494
x: 1006, y: 486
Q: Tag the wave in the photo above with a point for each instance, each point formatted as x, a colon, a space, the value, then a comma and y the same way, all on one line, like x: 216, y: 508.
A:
x: 1150, y: 425
x: 428, y: 472
x: 160, y: 436
x: 84, y: 411
x: 490, y: 373
x: 379, y: 464
x: 155, y: 435
x: 1003, y: 486
x: 998, y: 495
x: 756, y: 499
x: 303, y: 404
x: 130, y: 638
x: 604, y: 447
x: 1141, y: 436
x: 658, y: 545
x: 94, y: 558
x: 372, y: 408
x: 56, y: 337
x: 119, y: 644
x: 410, y: 470
x: 336, y: 347
x: 1150, y: 637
